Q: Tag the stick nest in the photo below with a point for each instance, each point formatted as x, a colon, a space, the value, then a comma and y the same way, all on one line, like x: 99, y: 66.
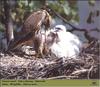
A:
x: 22, y: 66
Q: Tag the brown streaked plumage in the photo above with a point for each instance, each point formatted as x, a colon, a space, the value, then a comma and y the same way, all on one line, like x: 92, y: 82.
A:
x: 35, y: 21
x: 31, y: 27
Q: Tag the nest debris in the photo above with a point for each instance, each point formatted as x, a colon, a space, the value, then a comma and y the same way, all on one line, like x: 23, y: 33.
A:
x: 86, y: 66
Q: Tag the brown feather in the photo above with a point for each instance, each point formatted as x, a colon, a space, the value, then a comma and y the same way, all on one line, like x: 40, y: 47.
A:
x: 31, y: 27
x: 35, y: 21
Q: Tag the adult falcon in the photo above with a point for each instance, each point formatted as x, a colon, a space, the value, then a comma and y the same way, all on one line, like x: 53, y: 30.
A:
x: 36, y: 20
x: 32, y: 25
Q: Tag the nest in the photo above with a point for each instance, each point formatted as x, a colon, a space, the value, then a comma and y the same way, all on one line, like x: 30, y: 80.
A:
x: 86, y: 66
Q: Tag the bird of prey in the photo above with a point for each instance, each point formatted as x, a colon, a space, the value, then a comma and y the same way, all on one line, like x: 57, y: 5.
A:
x: 33, y: 24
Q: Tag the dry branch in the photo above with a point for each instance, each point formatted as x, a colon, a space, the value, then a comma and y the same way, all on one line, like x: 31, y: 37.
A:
x: 86, y: 66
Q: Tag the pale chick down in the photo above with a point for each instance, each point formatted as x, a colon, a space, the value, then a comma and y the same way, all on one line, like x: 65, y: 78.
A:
x: 68, y: 44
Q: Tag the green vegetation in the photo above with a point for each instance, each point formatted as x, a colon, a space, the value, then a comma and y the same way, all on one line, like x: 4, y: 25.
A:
x: 20, y: 9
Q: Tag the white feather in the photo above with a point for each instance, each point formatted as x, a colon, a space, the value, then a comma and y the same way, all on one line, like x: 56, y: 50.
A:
x: 68, y: 46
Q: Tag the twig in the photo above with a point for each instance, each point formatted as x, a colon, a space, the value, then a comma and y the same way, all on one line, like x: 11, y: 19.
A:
x: 79, y: 71
x: 74, y: 27
x: 90, y: 69
x: 60, y: 77
x: 61, y: 17
x: 88, y: 75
